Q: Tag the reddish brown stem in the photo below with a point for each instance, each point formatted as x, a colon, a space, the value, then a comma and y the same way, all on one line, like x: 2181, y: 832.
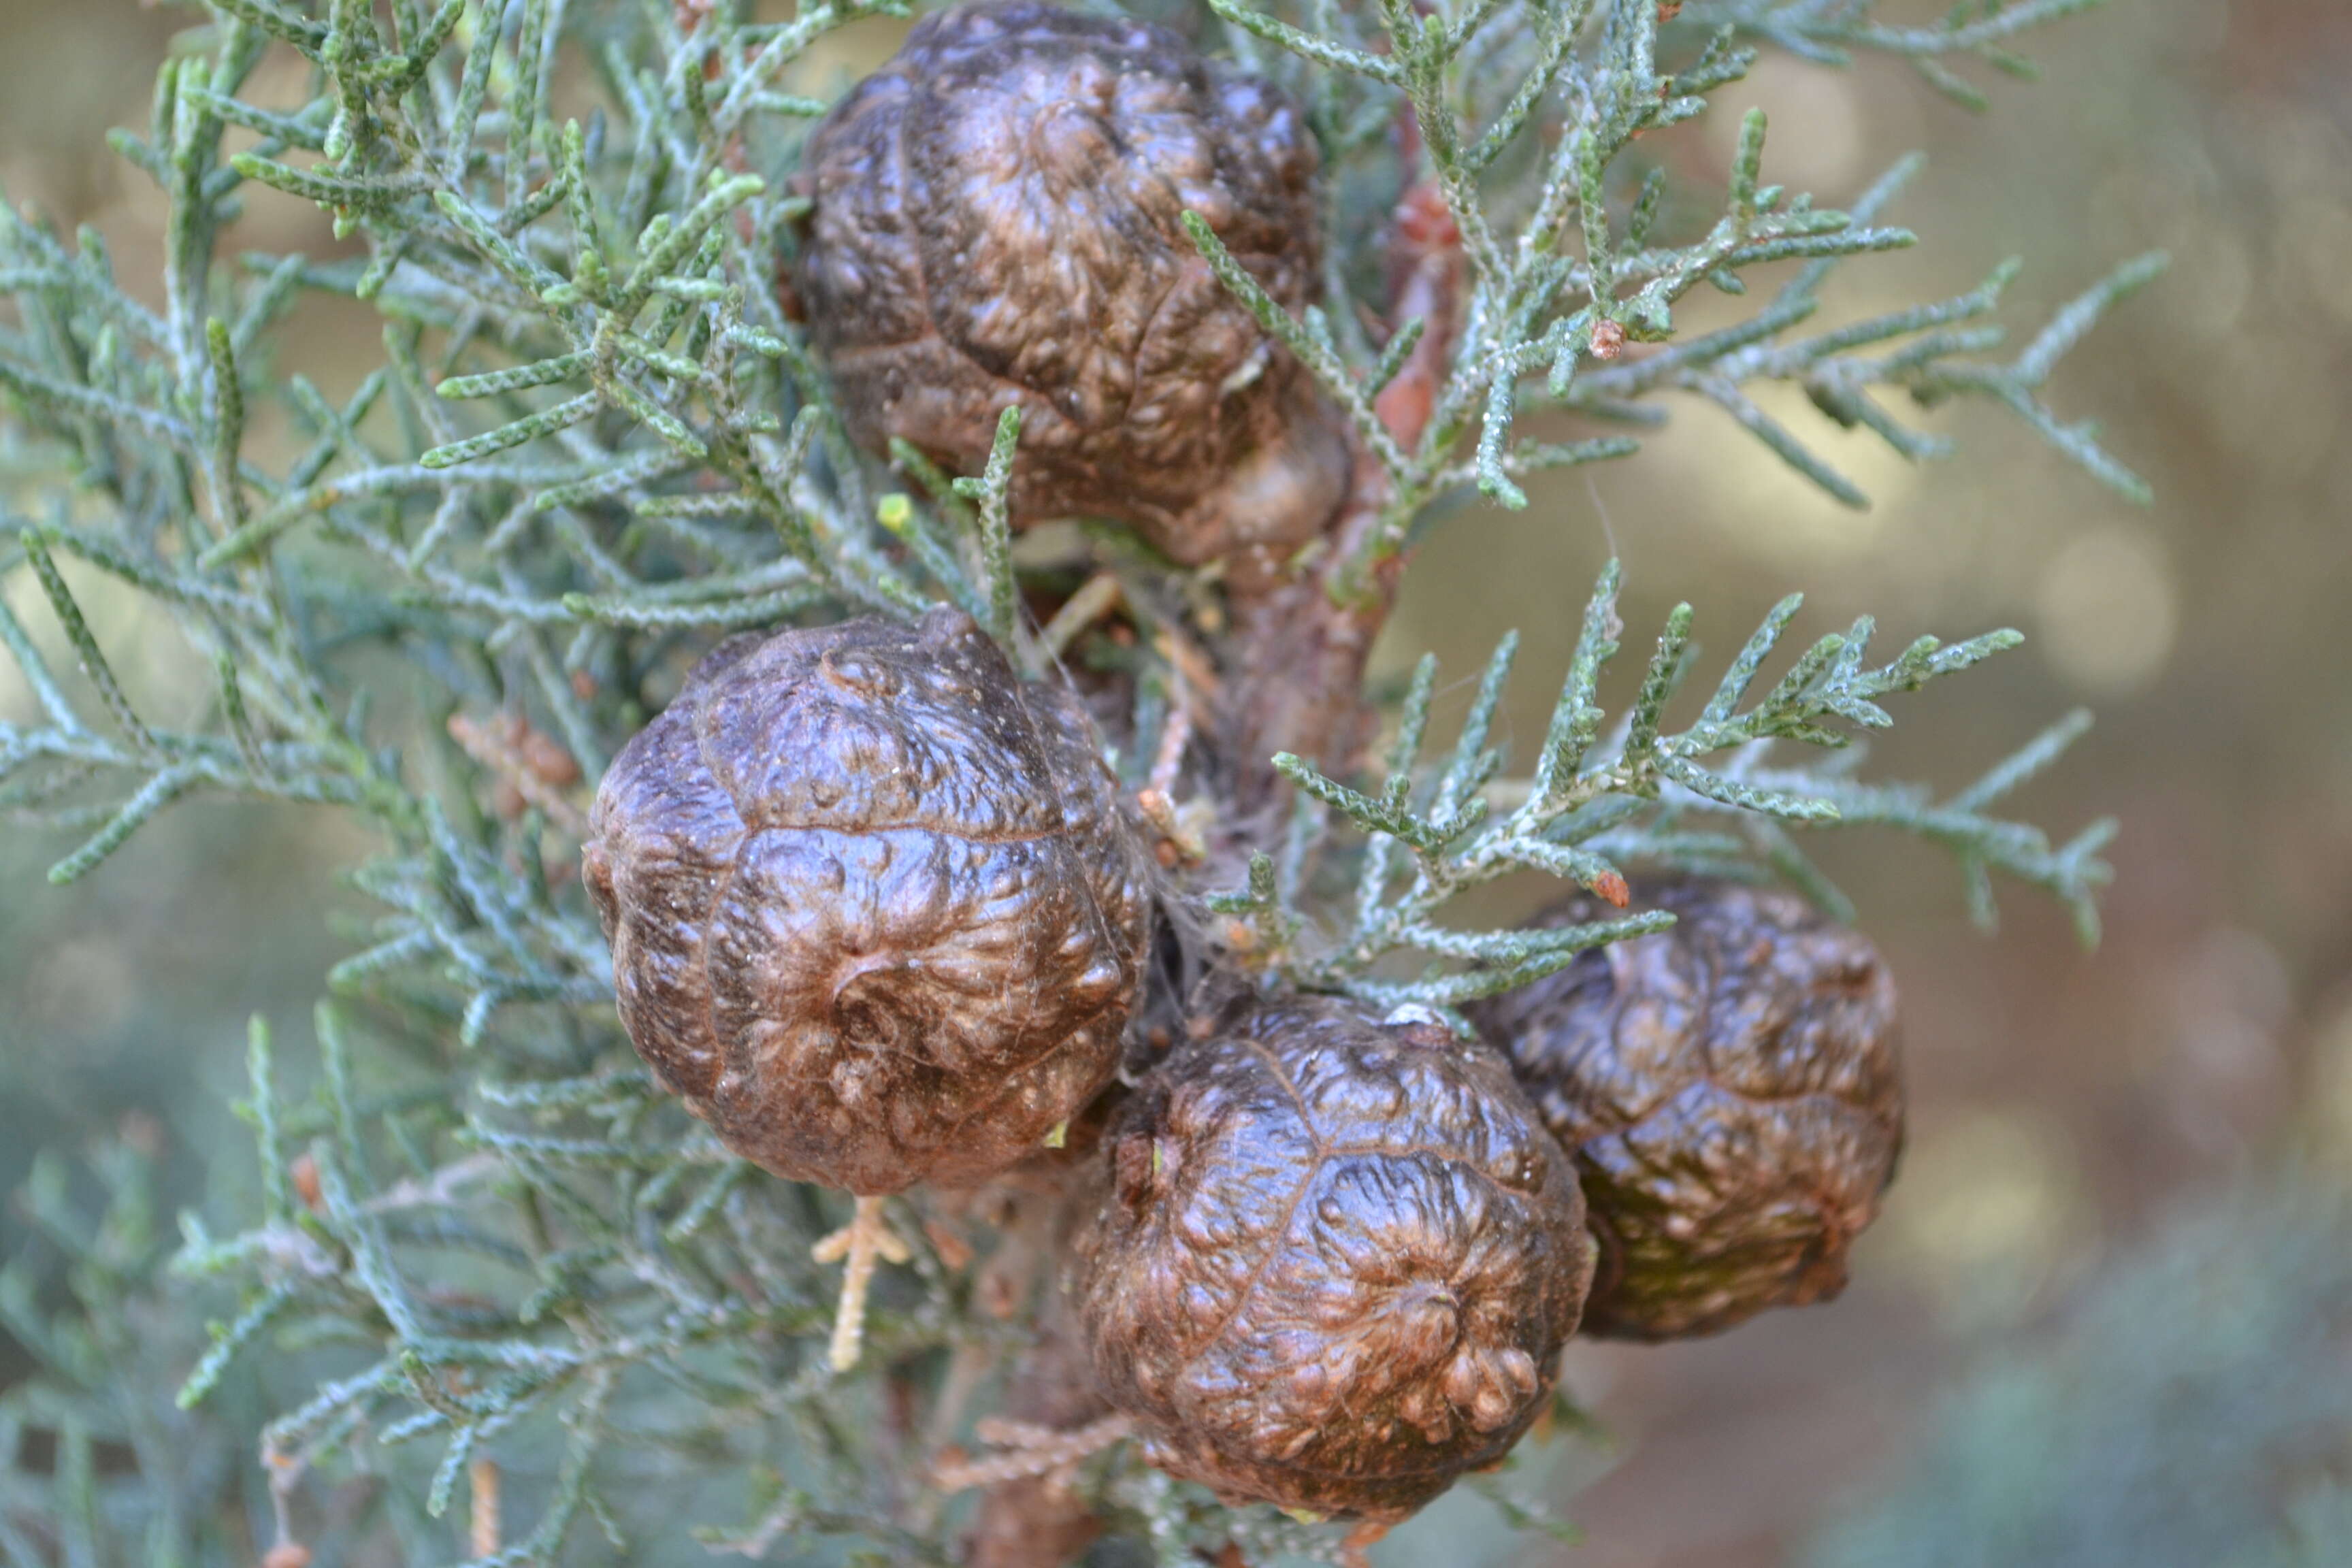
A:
x: 1038, y: 1520
x: 1304, y: 640
x: 1300, y: 678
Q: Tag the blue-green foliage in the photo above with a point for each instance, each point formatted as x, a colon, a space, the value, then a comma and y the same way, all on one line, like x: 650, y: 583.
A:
x: 1710, y: 798
x: 2192, y: 1413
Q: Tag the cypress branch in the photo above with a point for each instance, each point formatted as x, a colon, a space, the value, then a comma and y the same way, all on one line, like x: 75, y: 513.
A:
x: 542, y: 1256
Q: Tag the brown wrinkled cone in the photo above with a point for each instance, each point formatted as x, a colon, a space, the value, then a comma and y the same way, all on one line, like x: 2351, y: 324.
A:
x: 1729, y: 1090
x: 875, y: 909
x: 996, y: 220
x: 1338, y: 1263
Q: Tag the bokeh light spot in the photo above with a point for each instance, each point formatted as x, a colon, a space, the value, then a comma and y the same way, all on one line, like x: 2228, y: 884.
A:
x: 1986, y: 1210
x: 2108, y: 611
x: 1819, y: 133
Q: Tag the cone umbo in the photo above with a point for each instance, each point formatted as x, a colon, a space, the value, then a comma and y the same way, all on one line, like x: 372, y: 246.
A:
x: 996, y: 219
x: 1337, y: 1261
x: 1729, y: 1090
x: 875, y: 911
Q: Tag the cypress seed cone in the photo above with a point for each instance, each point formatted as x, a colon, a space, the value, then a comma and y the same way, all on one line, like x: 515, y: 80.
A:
x: 1337, y: 1262
x: 877, y: 912
x: 1730, y: 1092
x: 995, y: 219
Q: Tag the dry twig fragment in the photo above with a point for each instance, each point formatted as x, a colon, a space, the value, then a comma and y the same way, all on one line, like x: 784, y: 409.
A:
x: 867, y: 1237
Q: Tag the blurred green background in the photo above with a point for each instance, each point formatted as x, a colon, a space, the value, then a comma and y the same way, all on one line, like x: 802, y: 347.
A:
x: 2108, y: 1315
